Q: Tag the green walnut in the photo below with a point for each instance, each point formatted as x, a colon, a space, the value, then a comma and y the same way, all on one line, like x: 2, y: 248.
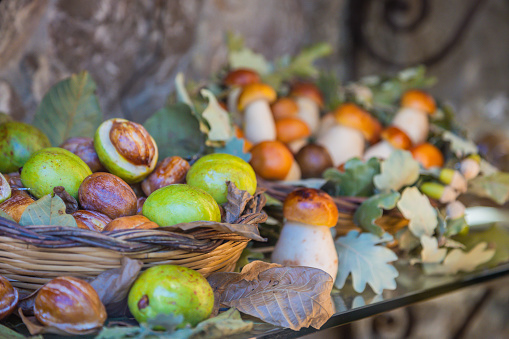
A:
x: 5, y: 189
x: 18, y: 141
x: 211, y: 172
x: 179, y: 203
x: 51, y: 167
x: 126, y: 149
x: 171, y: 289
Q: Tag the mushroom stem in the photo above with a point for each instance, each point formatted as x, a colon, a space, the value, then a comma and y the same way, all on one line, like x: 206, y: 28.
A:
x: 414, y: 123
x: 306, y: 245
x: 296, y: 145
x: 294, y: 173
x: 380, y: 150
x: 309, y: 112
x: 258, y: 122
x: 343, y: 143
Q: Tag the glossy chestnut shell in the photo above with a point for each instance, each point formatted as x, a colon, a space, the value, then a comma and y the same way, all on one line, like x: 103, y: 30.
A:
x: 69, y: 304
x: 8, y: 297
x: 171, y: 170
x: 108, y: 194
x: 91, y: 220
x: 16, y: 204
x: 129, y: 223
x: 313, y: 161
x: 84, y: 148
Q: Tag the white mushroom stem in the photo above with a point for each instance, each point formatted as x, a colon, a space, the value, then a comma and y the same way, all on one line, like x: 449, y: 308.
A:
x: 414, y: 123
x: 294, y: 174
x: 343, y: 143
x: 296, y: 145
x: 470, y: 168
x: 309, y: 112
x: 306, y: 245
x: 380, y: 150
x: 327, y: 121
x: 259, y: 123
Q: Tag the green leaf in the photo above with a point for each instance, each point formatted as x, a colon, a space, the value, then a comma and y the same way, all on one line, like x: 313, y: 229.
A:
x: 4, y: 117
x: 221, y: 128
x: 235, y: 42
x: 176, y: 131
x: 416, y: 207
x: 397, y: 171
x: 47, y: 211
x: 496, y: 236
x: 7, y: 333
x: 235, y: 146
x: 361, y: 256
x: 455, y: 226
x: 69, y: 109
x: 246, y: 58
x: 225, y: 324
x: 494, y: 187
x: 459, y: 146
x: 329, y: 84
x: 372, y: 209
x: 356, y: 180
x: 6, y: 216
x: 303, y: 63
x: 458, y: 260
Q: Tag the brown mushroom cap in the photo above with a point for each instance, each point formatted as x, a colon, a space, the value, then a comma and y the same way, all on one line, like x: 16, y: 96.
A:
x: 420, y: 100
x: 311, y: 206
x: 353, y: 116
x: 397, y: 138
x: 271, y: 160
x: 256, y: 91
x: 291, y: 129
x: 130, y: 223
x: 313, y: 160
x: 284, y: 108
x: 307, y: 90
x: 241, y: 77
x: 428, y: 155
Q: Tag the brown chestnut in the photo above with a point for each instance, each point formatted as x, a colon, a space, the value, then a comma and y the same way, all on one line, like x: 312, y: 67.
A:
x: 108, y: 194
x: 129, y: 223
x: 84, y: 148
x: 313, y: 160
x: 16, y: 204
x: 69, y: 304
x: 171, y: 170
x: 8, y: 298
x: 91, y: 220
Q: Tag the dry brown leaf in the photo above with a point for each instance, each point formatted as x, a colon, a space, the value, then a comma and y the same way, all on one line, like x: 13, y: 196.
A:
x: 236, y: 202
x: 249, y: 231
x: 71, y: 205
x: 113, y: 285
x: 292, y: 297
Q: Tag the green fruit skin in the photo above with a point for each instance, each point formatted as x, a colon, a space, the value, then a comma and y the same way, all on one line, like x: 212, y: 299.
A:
x: 211, y: 172
x: 171, y: 289
x: 179, y: 203
x: 51, y: 167
x: 18, y: 141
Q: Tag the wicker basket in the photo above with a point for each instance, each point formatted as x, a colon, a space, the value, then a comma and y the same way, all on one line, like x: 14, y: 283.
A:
x: 31, y: 256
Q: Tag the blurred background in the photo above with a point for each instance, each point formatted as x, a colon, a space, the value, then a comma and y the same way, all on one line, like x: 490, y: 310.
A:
x: 134, y: 49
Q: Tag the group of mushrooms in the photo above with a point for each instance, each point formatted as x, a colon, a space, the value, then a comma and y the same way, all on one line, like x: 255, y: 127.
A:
x: 278, y: 133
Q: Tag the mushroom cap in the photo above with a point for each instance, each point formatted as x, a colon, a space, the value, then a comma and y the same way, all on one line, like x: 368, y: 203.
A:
x: 353, y: 116
x: 311, y: 206
x: 291, y: 129
x: 307, y: 90
x: 241, y: 77
x: 256, y: 91
x: 284, y: 108
x: 420, y: 100
x: 428, y: 155
x: 397, y: 138
x: 271, y: 160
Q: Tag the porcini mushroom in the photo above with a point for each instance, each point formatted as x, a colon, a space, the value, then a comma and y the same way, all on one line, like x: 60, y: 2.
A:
x: 272, y: 160
x: 310, y: 100
x: 428, y: 155
x: 346, y: 138
x: 259, y: 123
x: 235, y: 80
x: 306, y: 239
x: 284, y: 108
x: 392, y: 138
x: 293, y: 132
x: 412, y: 118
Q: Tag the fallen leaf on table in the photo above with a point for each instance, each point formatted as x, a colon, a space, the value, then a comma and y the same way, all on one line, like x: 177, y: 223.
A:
x: 397, y: 171
x: 455, y: 226
x: 459, y: 146
x: 494, y: 187
x: 416, y: 207
x: 292, y: 297
x: 219, y: 121
x: 47, y: 211
x: 225, y: 324
x: 430, y: 252
x: 356, y: 180
x: 460, y: 261
x: 361, y: 256
x: 370, y: 210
